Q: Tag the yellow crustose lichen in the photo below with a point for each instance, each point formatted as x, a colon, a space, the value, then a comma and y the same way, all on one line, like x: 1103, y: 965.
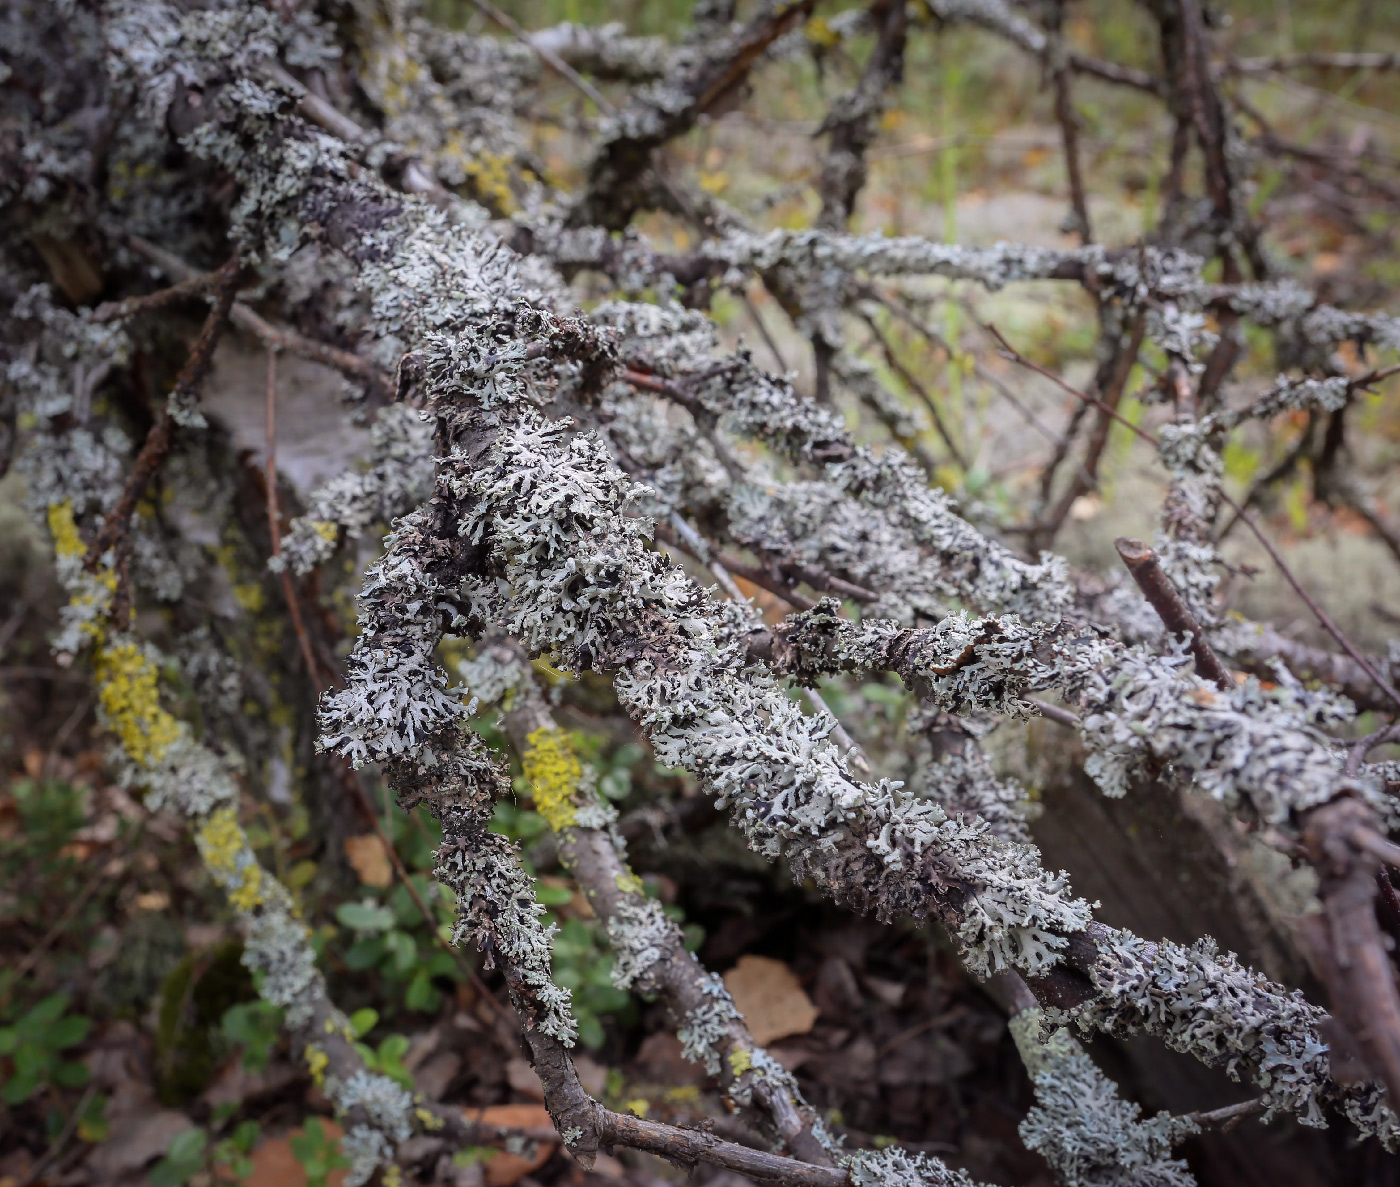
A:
x: 740, y: 1061
x: 66, y: 540
x: 127, y: 681
x: 554, y: 773
x: 128, y: 687
x: 317, y: 1061
x: 629, y: 883
x: 223, y: 844
x: 68, y: 545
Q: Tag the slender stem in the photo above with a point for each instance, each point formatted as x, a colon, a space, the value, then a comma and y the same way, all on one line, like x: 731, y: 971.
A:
x: 274, y: 527
x: 1318, y: 612
x: 117, y: 523
x: 1171, y: 608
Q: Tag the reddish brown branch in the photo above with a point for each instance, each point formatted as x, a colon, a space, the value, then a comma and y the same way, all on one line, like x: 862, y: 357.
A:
x: 1113, y: 380
x: 161, y: 436
x: 1171, y: 608
x: 183, y: 290
x: 1352, y: 958
x: 1058, y: 62
x: 273, y: 337
x: 1323, y: 618
x: 274, y: 526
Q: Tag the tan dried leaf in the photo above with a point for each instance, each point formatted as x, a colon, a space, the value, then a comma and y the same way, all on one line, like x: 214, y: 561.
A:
x: 367, y: 856
x: 771, y: 999
x: 503, y: 1168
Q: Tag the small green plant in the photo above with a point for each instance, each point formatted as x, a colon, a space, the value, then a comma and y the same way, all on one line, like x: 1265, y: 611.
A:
x: 318, y: 1153
x: 190, y: 1152
x: 257, y: 1027
x: 184, y: 1157
x: 387, y: 1058
x: 33, y: 1048
x: 385, y: 940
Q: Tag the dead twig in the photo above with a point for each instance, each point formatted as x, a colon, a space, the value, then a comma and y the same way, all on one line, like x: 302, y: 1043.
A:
x: 184, y: 290
x: 1171, y: 608
x: 1323, y: 618
x: 1312, y: 61
x: 1229, y: 1116
x: 273, y: 337
x: 1356, y: 755
x: 274, y: 525
x: 1341, y: 837
x: 162, y: 434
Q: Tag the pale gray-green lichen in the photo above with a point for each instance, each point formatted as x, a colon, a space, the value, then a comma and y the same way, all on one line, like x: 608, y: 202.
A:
x: 1079, y: 1124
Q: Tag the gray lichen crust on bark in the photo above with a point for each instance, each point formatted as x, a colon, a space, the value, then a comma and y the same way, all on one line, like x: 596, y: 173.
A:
x: 518, y: 469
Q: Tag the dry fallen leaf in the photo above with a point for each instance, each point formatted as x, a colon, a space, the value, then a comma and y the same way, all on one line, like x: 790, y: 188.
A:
x: 366, y: 855
x: 770, y: 998
x: 504, y: 1169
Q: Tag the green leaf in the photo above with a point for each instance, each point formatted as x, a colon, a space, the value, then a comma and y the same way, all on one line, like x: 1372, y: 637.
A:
x: 393, y: 1048
x: 187, y: 1145
x: 421, y: 995
x: 365, y: 916
x: 617, y: 784
x: 20, y: 1088
x: 43, y: 1013
x: 9, y: 1039
x: 531, y: 825
x: 441, y: 964
x: 168, y: 1173
x: 67, y: 1032
x: 365, y: 952
x: 92, y: 1124
x: 405, y: 950
x: 590, y: 1030
x: 301, y: 874
x: 183, y: 1158
x: 245, y: 1136
x: 32, y: 1060
x: 626, y: 755
x: 363, y: 1021
x: 71, y: 1074
x: 553, y: 896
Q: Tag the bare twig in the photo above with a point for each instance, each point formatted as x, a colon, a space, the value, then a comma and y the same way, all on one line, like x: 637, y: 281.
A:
x: 184, y: 290
x: 1359, y: 749
x: 1348, y: 947
x: 1229, y: 1116
x: 1112, y: 380
x: 162, y: 434
x: 1056, y: 713
x: 545, y: 55
x: 274, y: 525
x: 1313, y: 61
x: 1171, y: 608
x: 914, y: 384
x: 273, y: 337
x: 36, y: 1171
x: 1318, y: 612
x: 1057, y: 61
x: 854, y: 754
